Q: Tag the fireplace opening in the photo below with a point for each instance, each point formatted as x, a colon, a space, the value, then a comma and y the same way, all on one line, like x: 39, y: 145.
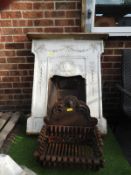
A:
x: 69, y: 126
x: 70, y: 136
x: 59, y: 87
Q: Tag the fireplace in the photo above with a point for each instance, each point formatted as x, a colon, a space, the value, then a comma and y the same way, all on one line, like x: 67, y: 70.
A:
x: 66, y: 64
x: 59, y: 87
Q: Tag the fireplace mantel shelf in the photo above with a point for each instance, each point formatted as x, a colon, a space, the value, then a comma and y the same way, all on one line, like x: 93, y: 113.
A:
x: 82, y: 36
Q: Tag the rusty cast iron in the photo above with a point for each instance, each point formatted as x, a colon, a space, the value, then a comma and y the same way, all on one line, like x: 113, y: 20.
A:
x: 70, y: 136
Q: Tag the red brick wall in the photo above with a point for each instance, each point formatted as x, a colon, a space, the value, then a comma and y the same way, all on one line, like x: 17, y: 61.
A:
x: 111, y: 75
x: 16, y: 60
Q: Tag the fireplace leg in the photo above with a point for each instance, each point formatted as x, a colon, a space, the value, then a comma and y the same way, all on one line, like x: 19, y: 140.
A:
x: 34, y: 125
x: 102, y: 125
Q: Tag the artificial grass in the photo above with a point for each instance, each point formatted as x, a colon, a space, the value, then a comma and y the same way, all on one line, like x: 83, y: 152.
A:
x: 23, y: 146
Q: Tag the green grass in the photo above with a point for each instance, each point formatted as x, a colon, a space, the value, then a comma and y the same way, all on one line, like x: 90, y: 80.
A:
x: 23, y: 146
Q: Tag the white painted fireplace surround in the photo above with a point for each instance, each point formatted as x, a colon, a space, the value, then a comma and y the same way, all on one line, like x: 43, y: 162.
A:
x: 66, y: 55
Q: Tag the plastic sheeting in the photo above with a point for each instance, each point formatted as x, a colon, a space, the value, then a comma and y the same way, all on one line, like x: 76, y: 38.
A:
x: 9, y: 167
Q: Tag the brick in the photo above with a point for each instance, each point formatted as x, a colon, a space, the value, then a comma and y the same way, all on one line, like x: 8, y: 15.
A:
x: 2, y: 53
x: 25, y: 66
x: 30, y: 59
x: 28, y: 45
x: 19, y: 97
x: 24, y: 22
x: 21, y: 6
x: 108, y: 52
x: 2, y: 60
x: 118, y: 51
x: 43, y: 5
x: 20, y: 38
x: 72, y: 29
x: 11, y: 31
x: 111, y: 78
x: 27, y: 30
x: 8, y: 66
x: 2, y: 92
x: 6, y: 97
x: 16, y: 60
x: 6, y: 39
x: 65, y: 5
x: 10, y: 79
x: 4, y: 73
x: 18, y: 73
x: 43, y: 22
x: 5, y: 23
x: 14, y: 45
x: 21, y: 85
x: 111, y: 58
x: 55, y: 14
x: 5, y: 85
x: 24, y: 108
x: 106, y: 65
x: 32, y: 14
x: 29, y: 78
x: 31, y: 72
x: 12, y: 91
x: 114, y: 44
x: 7, y: 53
x: 19, y: 102
x: 2, y: 46
x: 127, y: 44
x: 29, y: 90
x: 54, y: 29
x: 79, y: 5
x: 64, y: 22
x: 77, y: 22
x: 111, y: 71
x: 23, y: 53
x: 116, y: 65
x: 6, y: 108
x: 73, y: 14
x: 11, y: 14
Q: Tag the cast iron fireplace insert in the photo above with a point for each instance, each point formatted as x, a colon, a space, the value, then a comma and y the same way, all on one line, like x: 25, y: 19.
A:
x: 60, y: 87
x: 70, y: 136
